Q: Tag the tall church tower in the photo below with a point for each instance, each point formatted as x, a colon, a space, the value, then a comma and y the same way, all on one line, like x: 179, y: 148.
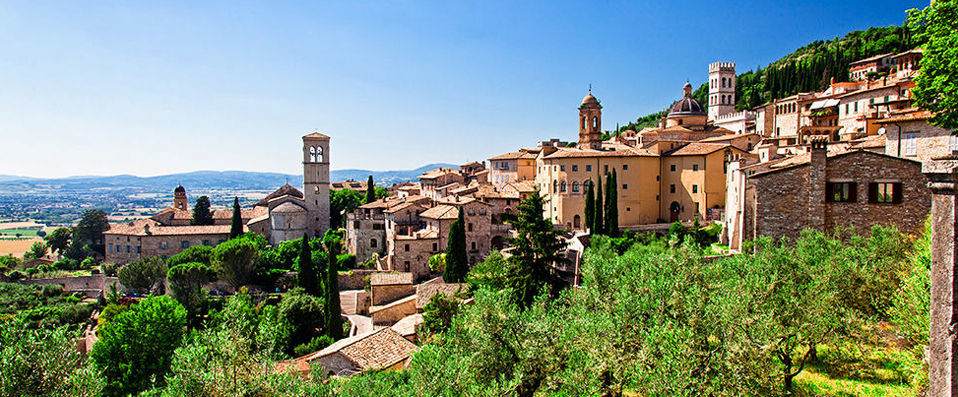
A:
x: 590, y: 123
x: 721, y: 89
x: 179, y: 198
x: 316, y: 182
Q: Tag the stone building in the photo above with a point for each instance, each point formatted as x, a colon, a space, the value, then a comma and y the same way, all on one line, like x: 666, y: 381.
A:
x: 721, y: 89
x: 382, y: 349
x: 513, y: 167
x: 666, y: 173
x: 909, y: 135
x: 822, y: 191
x: 284, y: 214
x: 859, y: 70
x: 366, y: 227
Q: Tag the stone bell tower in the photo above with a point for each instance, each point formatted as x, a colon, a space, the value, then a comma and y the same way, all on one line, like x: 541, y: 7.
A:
x: 316, y: 182
x: 721, y: 89
x: 179, y: 198
x: 590, y: 123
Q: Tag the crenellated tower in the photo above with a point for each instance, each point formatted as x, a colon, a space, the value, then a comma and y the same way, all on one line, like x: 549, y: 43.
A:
x: 316, y: 182
x: 721, y: 89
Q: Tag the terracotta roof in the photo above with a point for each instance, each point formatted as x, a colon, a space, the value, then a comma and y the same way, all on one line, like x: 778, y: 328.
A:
x: 390, y: 278
x: 248, y: 213
x: 514, y: 156
x: 699, y: 149
x: 441, y: 211
x: 523, y: 186
x: 285, y: 190
x: 911, y: 116
x: 804, y: 159
x: 425, y: 291
x: 590, y: 101
x: 869, y: 59
x: 316, y: 135
x: 378, y: 349
x: 726, y: 137
x: 620, y: 151
x: 402, y: 206
x: 438, y: 172
x: 149, y: 227
x: 457, y: 200
x: 874, y: 141
x: 288, y: 208
x: 407, y: 325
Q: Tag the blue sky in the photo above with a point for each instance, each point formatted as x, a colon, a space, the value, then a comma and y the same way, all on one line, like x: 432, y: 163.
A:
x: 154, y: 88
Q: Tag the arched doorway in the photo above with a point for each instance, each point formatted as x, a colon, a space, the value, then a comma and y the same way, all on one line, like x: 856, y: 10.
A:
x: 576, y: 222
x: 498, y: 243
x: 674, y: 210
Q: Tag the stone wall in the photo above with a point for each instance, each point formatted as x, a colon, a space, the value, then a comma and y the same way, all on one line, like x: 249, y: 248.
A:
x: 931, y: 141
x: 163, y: 246
x: 355, y: 279
x: 383, y: 294
x: 86, y: 284
x: 393, y: 312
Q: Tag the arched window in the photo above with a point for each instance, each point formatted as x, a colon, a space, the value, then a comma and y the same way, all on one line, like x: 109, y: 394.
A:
x: 312, y: 154
x: 595, y: 123
x: 582, y: 123
x: 562, y: 188
x: 576, y: 221
x: 575, y: 186
x: 319, y: 154
x: 723, y: 82
x: 555, y: 186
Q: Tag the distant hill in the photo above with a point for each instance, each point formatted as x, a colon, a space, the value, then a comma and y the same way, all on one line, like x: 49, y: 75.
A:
x: 204, y: 180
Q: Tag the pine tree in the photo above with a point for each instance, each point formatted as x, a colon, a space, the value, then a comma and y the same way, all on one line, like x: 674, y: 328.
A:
x: 535, y: 249
x: 334, y: 316
x: 307, y: 278
x: 612, y: 220
x: 370, y: 190
x: 589, y: 205
x: 237, y: 228
x: 599, y: 214
x: 456, y: 263
x: 201, y: 212
x: 609, y: 209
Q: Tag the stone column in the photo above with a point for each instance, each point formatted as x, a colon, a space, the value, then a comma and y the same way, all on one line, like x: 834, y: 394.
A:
x: 943, y: 360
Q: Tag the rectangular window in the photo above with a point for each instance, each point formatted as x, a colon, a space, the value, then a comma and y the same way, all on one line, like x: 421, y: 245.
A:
x: 696, y: 208
x: 562, y: 168
x: 406, y: 248
x: 953, y: 142
x: 695, y: 167
x: 606, y: 169
x: 206, y: 242
x: 695, y: 188
x: 672, y: 188
x: 856, y: 106
x: 672, y: 168
x: 435, y: 247
x: 625, y: 186
x: 884, y: 192
x: 846, y: 108
x: 128, y: 249
x: 588, y: 168
x: 355, y: 224
x: 625, y: 167
x: 909, y: 146
x: 840, y: 192
x: 575, y: 168
x: 473, y: 245
x: 138, y: 249
x: 111, y: 248
x: 469, y: 227
x: 184, y: 244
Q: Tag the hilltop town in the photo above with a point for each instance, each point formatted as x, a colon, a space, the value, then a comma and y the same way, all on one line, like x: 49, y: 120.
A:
x: 781, y: 249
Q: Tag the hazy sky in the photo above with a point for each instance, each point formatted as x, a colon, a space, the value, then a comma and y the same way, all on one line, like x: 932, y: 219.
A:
x: 106, y: 88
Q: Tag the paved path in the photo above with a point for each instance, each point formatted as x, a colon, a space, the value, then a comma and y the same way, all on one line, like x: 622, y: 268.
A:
x: 360, y: 324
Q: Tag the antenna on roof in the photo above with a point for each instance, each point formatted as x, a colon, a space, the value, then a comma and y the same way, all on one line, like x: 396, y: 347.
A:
x: 590, y: 88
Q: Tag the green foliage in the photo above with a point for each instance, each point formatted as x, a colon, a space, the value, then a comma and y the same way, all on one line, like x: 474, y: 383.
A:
x: 202, y: 215
x: 41, y: 362
x: 333, y: 311
x: 110, y: 269
x: 307, y: 277
x: 135, y: 349
x: 936, y: 86
x: 437, y: 263
x: 437, y: 314
x: 236, y: 225
x: 186, y: 281
x: 370, y: 190
x: 143, y: 275
x: 234, y: 260
x: 42, y: 306
x: 37, y: 250
x: 457, y: 263
x: 589, y: 206
x: 597, y: 219
x: 304, y: 314
x: 59, y: 239
x: 493, y: 272
x: 318, y: 343
x: 346, y: 261
x: 535, y: 249
x: 197, y: 253
x: 611, y: 205
x: 342, y: 202
x: 89, y: 230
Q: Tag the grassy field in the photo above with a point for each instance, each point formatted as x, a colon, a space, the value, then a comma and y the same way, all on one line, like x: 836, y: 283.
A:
x: 16, y: 246
x: 13, y: 232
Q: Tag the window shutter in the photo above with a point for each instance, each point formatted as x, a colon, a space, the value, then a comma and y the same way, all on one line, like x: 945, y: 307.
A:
x: 896, y: 193
x: 873, y: 192
x: 829, y: 192
x: 852, y: 192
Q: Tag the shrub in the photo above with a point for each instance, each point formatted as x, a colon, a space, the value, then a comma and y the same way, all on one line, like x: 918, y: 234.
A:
x: 318, y: 343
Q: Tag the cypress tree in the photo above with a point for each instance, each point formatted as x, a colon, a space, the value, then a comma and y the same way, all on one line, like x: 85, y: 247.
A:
x: 307, y: 271
x: 237, y: 228
x: 334, y: 316
x: 612, y: 221
x: 597, y: 217
x: 589, y: 205
x: 456, y: 262
x: 370, y: 190
x: 607, y: 220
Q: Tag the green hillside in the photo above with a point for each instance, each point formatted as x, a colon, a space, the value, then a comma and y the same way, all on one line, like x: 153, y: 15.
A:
x: 809, y: 68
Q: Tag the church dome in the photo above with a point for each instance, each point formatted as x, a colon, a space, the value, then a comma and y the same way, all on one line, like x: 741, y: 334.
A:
x: 179, y: 189
x: 288, y: 208
x: 589, y: 101
x: 687, y: 106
